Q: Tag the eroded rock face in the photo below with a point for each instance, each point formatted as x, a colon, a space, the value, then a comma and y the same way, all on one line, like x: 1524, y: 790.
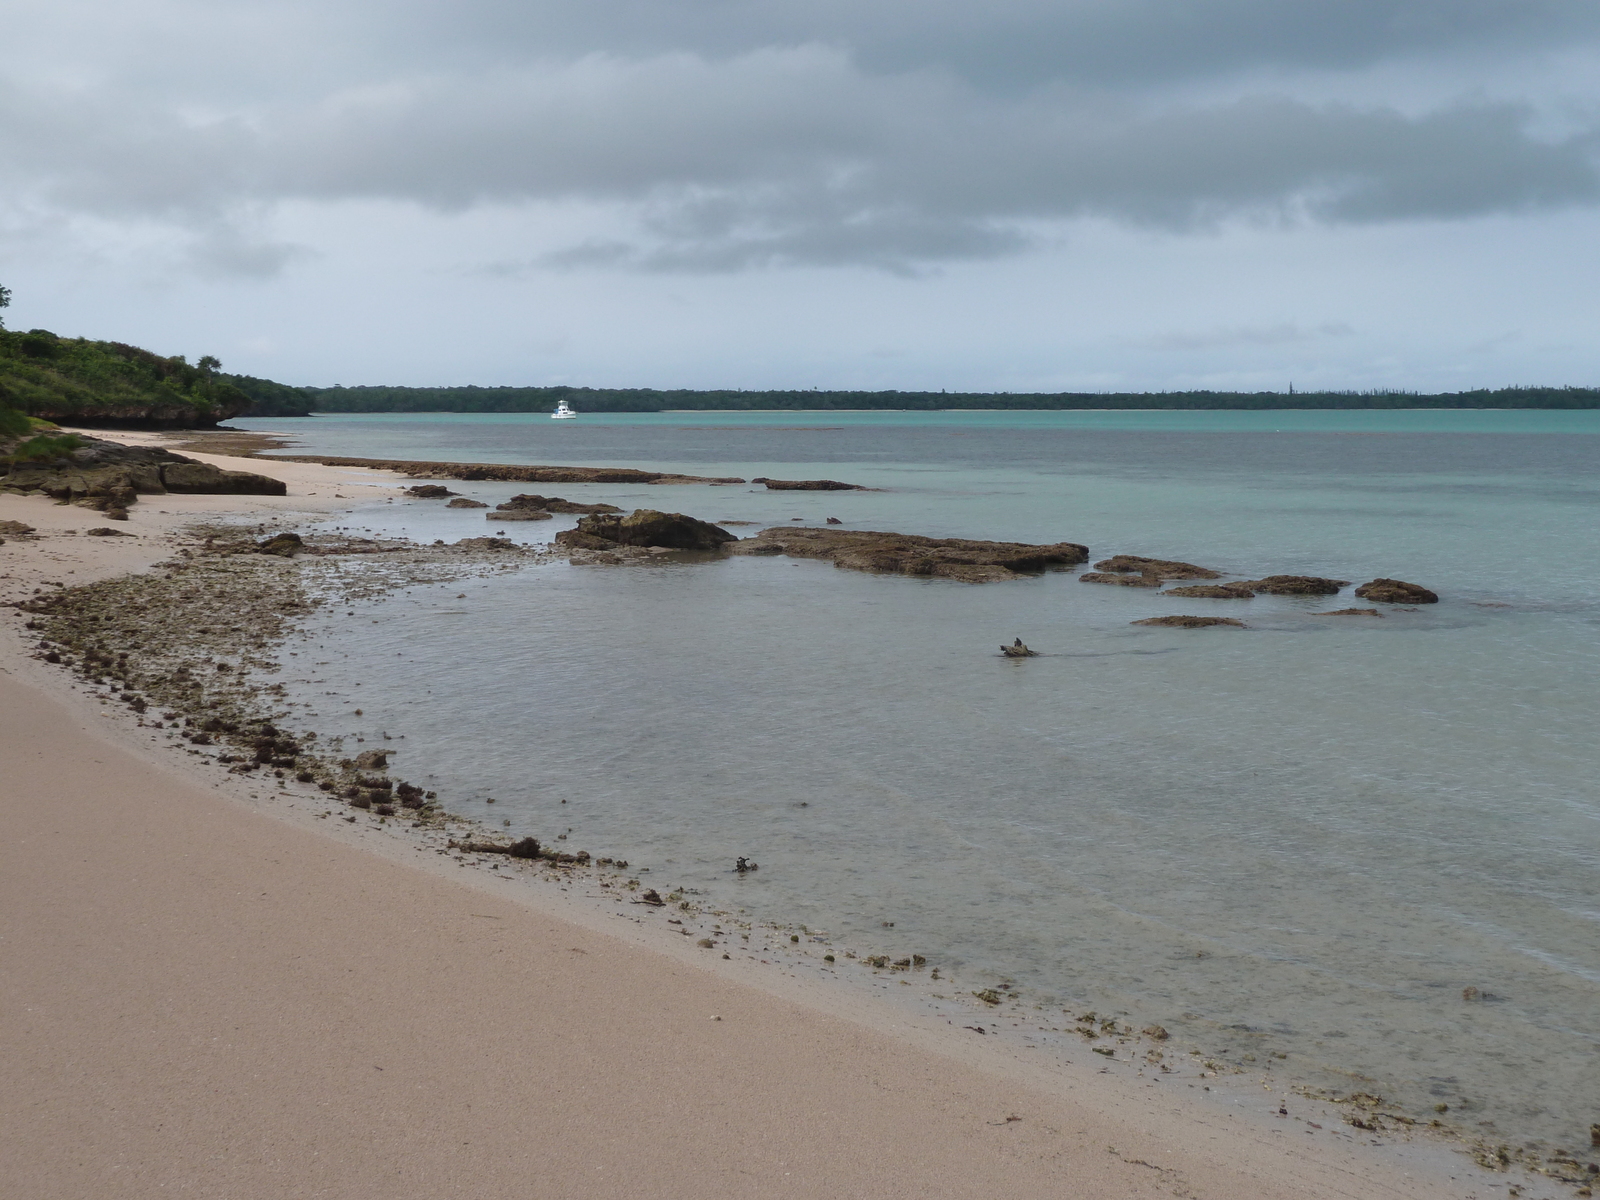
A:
x: 196, y: 478
x: 1295, y: 585
x: 644, y: 527
x: 1395, y: 591
x: 1163, y: 568
x: 463, y: 502
x: 1186, y: 622
x: 1213, y: 591
x: 911, y: 554
x: 110, y: 476
x: 553, y: 504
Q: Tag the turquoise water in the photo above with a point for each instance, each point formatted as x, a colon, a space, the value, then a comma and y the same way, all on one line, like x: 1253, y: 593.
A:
x: 1304, y: 837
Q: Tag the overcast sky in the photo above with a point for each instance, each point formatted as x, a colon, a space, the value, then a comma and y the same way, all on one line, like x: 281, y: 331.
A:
x: 1008, y: 195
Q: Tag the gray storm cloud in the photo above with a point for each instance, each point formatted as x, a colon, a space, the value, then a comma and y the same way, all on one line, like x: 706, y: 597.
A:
x: 758, y: 134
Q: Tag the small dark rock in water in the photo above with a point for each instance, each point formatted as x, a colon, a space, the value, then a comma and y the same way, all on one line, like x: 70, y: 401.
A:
x: 285, y: 545
x: 1471, y: 993
x: 1213, y: 591
x: 518, y: 514
x: 463, y: 502
x: 372, y: 760
x: 809, y: 485
x: 912, y: 554
x: 1137, y: 564
x: 1395, y: 591
x: 644, y: 527
x: 554, y: 504
x: 486, y: 543
x: 104, y: 531
x: 429, y: 491
x: 1148, y: 580
x: 835, y: 521
x: 651, y: 897
x: 744, y: 864
x: 1296, y: 585
x: 1350, y: 612
x: 1189, y: 622
x: 1018, y: 650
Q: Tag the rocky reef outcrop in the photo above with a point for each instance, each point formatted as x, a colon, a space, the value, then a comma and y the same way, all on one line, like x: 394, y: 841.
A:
x: 553, y: 504
x: 1187, y: 622
x: 1117, y: 580
x: 808, y: 485
x: 1295, y: 585
x: 109, y: 476
x: 1395, y: 591
x: 463, y: 502
x: 507, y: 472
x: 428, y: 491
x: 1213, y: 591
x: 1162, y: 568
x: 910, y: 554
x: 644, y: 527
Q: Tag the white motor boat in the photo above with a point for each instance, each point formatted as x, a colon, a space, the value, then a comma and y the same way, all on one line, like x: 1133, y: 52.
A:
x: 563, y: 411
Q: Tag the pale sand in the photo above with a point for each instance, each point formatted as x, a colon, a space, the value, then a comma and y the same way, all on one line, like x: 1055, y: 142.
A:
x: 212, y: 997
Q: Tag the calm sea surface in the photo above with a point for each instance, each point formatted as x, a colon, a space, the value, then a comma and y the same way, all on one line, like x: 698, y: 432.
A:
x: 1305, y: 837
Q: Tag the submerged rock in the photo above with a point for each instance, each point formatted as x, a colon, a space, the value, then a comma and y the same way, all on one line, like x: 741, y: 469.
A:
x: 1164, y: 568
x: 910, y: 554
x: 644, y: 527
x: 1141, y: 581
x: 518, y: 514
x: 1395, y: 591
x: 1186, y: 622
x: 1350, y: 612
x: 1213, y: 591
x: 1295, y: 585
x: 1018, y: 650
x: 463, y: 502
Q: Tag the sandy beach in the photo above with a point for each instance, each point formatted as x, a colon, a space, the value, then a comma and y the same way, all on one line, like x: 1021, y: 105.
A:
x: 212, y: 992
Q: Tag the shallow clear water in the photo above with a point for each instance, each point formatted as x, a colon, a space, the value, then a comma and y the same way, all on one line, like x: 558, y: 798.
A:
x: 1319, y: 829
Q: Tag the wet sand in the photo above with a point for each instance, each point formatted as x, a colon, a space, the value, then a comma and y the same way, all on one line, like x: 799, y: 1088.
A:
x: 212, y: 995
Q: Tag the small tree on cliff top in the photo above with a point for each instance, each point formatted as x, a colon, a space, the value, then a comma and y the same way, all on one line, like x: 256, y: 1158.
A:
x: 5, y: 302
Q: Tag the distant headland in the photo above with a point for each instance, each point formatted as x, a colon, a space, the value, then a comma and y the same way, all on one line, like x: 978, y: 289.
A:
x: 84, y: 382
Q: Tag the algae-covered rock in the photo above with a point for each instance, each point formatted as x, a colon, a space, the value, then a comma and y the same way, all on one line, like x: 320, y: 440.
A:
x: 1142, y: 580
x: 1395, y: 591
x: 1213, y: 591
x: 1186, y: 622
x: 1163, y: 568
x: 554, y: 504
x: 646, y: 527
x: 1295, y: 585
x: 912, y: 554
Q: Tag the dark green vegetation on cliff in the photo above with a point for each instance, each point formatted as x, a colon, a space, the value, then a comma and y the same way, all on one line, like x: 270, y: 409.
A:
x: 543, y: 399
x: 83, y: 382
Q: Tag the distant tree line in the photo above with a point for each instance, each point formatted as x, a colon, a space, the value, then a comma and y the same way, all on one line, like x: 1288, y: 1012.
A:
x: 543, y: 399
